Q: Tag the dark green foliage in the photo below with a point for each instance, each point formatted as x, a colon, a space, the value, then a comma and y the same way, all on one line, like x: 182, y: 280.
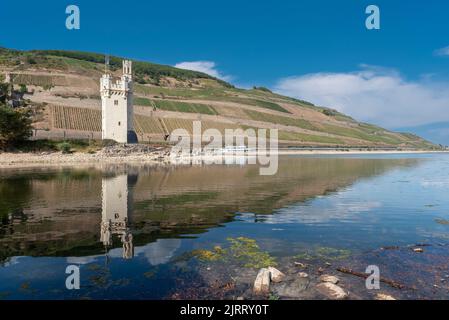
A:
x: 262, y: 89
x: 23, y: 88
x: 3, y: 92
x: 64, y: 147
x: 38, y: 146
x: 15, y: 126
x: 329, y: 112
x: 31, y: 60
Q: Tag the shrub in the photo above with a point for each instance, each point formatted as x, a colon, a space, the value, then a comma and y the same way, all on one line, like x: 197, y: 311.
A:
x: 262, y: 89
x: 329, y: 112
x: 64, y: 147
x: 23, y: 88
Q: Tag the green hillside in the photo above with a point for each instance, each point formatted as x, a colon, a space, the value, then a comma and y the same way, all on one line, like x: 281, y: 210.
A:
x: 65, y: 83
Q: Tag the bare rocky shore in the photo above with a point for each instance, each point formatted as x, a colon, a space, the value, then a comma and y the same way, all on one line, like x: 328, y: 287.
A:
x: 140, y: 153
x: 113, y: 154
x: 410, y: 272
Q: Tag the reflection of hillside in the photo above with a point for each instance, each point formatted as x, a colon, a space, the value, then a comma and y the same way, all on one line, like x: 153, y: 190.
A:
x: 63, y: 209
x: 243, y: 189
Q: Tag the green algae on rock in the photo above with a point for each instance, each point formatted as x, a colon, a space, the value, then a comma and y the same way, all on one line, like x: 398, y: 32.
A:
x: 241, y: 250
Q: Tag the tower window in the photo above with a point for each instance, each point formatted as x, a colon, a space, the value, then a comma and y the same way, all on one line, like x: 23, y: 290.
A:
x: 115, y: 102
x: 119, y: 123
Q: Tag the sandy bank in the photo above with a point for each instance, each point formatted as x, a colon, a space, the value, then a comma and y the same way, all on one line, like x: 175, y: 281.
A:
x: 18, y: 160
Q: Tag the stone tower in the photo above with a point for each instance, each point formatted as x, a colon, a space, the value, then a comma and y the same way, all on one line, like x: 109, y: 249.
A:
x: 117, y: 106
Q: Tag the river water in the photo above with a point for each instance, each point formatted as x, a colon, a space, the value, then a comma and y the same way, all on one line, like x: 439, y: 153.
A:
x: 135, y: 231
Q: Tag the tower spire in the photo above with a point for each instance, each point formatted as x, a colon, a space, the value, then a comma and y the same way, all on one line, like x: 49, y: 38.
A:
x: 106, y: 63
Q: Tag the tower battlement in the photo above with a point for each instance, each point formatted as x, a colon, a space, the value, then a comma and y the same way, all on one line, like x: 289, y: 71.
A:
x: 110, y: 86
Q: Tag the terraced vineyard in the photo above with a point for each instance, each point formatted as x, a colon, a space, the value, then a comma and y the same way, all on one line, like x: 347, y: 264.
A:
x: 39, y: 80
x: 187, y: 124
x: 176, y: 106
x: 287, y: 121
x: 72, y: 118
x: 308, y: 138
x: 82, y: 119
x: 147, y: 125
x: 172, y: 124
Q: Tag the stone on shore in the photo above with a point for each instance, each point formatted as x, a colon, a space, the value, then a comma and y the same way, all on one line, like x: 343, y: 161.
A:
x: 329, y: 278
x: 332, y: 291
x: 300, y: 264
x: 383, y: 296
x: 294, y: 289
x: 262, y: 282
x: 276, y: 275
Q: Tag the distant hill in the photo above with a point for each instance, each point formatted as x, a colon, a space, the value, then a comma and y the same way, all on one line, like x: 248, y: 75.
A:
x: 64, y: 88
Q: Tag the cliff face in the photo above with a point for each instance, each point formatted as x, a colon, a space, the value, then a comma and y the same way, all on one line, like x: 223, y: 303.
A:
x: 64, y: 87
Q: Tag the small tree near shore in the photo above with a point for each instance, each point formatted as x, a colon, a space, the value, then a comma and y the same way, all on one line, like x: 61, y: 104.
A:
x: 15, y: 126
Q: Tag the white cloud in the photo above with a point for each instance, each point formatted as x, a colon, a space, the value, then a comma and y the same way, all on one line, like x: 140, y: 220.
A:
x: 208, y: 67
x: 442, y: 52
x: 373, y: 94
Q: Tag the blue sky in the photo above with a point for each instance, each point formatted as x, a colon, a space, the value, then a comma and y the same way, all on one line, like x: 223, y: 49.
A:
x: 290, y: 46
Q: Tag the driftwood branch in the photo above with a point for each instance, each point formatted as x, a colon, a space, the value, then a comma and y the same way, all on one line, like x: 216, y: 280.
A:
x: 392, y: 283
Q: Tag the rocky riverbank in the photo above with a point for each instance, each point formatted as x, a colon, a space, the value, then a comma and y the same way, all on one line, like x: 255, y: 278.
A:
x: 405, y: 273
x: 143, y: 154
x: 140, y: 153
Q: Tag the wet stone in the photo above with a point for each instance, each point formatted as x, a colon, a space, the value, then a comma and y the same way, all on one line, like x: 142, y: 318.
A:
x: 332, y: 291
x: 329, y: 278
x: 383, y: 296
x: 276, y: 275
x: 262, y: 282
x: 292, y: 289
x: 300, y: 264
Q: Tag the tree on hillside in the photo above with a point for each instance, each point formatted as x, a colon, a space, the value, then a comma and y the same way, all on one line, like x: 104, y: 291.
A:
x: 3, y: 92
x: 15, y: 126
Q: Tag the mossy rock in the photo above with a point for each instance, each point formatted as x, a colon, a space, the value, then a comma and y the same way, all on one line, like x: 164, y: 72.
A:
x: 242, y: 251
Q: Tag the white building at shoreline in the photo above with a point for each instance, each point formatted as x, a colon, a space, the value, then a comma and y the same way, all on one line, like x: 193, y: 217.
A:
x: 117, y: 110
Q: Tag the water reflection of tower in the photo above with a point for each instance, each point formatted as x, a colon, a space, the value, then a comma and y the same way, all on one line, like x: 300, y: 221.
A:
x: 116, y: 205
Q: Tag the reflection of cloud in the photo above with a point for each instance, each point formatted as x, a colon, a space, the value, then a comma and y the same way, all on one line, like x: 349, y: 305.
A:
x: 12, y: 261
x: 435, y: 183
x: 81, y: 260
x: 326, y: 211
x: 159, y: 252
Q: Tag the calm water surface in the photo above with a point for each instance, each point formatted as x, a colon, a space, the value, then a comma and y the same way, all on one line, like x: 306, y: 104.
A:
x: 132, y: 229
